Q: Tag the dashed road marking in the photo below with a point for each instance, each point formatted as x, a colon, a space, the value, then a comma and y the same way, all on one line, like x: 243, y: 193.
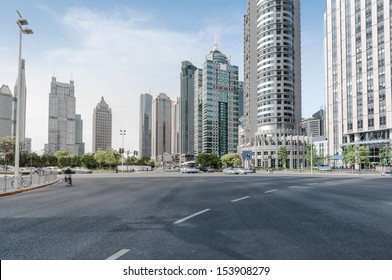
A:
x: 191, y: 216
x: 271, y: 191
x: 118, y: 254
x: 298, y: 187
x: 312, y: 184
x: 238, y: 199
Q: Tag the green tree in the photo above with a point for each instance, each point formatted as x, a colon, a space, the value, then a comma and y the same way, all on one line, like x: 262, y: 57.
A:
x: 384, y: 155
x: 231, y: 160
x: 354, y: 155
x: 311, y: 156
x: 7, y: 148
x: 88, y: 161
x: 64, y: 161
x: 208, y: 160
x: 282, y: 156
x: 107, y: 158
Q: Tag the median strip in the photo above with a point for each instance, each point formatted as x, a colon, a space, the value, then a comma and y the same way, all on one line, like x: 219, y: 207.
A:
x: 191, y: 216
x: 238, y: 199
x: 118, y: 254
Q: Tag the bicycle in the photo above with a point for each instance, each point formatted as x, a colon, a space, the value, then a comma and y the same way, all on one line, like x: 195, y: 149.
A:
x: 23, y: 183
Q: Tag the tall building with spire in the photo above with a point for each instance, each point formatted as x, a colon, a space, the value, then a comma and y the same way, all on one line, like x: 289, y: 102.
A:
x: 272, y: 82
x: 61, y: 128
x: 6, y: 103
x: 145, y: 125
x: 102, y: 126
x: 216, y: 105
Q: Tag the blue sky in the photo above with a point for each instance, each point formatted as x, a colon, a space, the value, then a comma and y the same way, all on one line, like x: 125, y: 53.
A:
x: 121, y: 49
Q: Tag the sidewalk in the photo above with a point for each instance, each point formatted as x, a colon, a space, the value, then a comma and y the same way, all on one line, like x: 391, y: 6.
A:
x: 37, y: 182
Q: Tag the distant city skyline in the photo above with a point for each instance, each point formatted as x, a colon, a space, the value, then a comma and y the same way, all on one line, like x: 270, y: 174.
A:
x: 122, y: 48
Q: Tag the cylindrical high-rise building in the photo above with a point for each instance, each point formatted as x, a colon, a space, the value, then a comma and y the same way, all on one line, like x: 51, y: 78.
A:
x: 273, y: 65
x: 272, y: 82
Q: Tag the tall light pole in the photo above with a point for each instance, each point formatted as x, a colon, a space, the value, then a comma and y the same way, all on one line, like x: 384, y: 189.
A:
x: 23, y: 30
x: 122, y: 133
x: 311, y: 153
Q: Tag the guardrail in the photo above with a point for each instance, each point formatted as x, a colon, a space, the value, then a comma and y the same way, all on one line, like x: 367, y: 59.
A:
x: 9, y: 183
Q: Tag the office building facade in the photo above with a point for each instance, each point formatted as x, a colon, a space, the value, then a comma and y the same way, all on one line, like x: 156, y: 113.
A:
x: 80, y: 145
x: 145, y: 125
x: 6, y: 104
x: 102, y: 126
x: 61, y: 128
x: 216, y: 105
x: 176, y: 127
x: 358, y: 75
x: 187, y: 122
x: 161, y: 128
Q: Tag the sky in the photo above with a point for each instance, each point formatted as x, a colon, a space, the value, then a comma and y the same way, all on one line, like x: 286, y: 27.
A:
x: 123, y: 48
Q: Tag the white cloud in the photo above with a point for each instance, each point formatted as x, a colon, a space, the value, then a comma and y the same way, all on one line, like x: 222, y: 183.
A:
x: 120, y: 55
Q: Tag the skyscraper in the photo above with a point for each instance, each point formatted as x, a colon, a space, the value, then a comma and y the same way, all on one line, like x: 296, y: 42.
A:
x: 79, y: 135
x: 175, y: 127
x: 161, y: 127
x: 217, y: 105
x: 187, y: 108
x: 6, y: 101
x: 145, y: 125
x: 20, y: 97
x: 272, y: 81
x: 62, y: 103
x: 102, y: 126
x: 358, y: 75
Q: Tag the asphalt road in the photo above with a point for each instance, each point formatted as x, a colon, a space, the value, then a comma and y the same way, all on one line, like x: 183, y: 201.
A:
x: 201, y: 216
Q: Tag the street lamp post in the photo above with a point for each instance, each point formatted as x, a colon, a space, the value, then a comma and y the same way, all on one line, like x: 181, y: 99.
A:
x: 23, y: 30
x: 122, y: 133
x: 311, y: 154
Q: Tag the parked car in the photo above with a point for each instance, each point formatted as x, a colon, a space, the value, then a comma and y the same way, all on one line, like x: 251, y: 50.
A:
x: 239, y: 171
x: 250, y: 170
x: 208, y: 170
x: 228, y: 171
x: 189, y: 170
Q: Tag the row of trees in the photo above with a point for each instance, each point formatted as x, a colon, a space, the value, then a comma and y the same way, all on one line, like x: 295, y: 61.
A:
x: 108, y: 158
x: 212, y: 160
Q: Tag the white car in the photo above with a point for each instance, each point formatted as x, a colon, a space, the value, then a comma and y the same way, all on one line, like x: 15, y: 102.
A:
x: 228, y: 171
x: 189, y: 170
x: 239, y: 171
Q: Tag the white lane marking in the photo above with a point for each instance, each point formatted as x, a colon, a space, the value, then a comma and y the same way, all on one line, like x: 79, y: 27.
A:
x: 238, y: 199
x: 191, y: 216
x: 118, y: 254
x: 298, y: 187
x: 271, y: 191
x: 312, y: 184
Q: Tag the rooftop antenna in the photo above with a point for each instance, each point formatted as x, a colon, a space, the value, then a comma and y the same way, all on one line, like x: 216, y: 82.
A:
x: 54, y: 70
x: 72, y: 75
x: 215, y: 43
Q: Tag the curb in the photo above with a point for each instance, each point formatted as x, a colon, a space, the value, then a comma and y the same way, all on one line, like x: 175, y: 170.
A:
x: 28, y: 189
